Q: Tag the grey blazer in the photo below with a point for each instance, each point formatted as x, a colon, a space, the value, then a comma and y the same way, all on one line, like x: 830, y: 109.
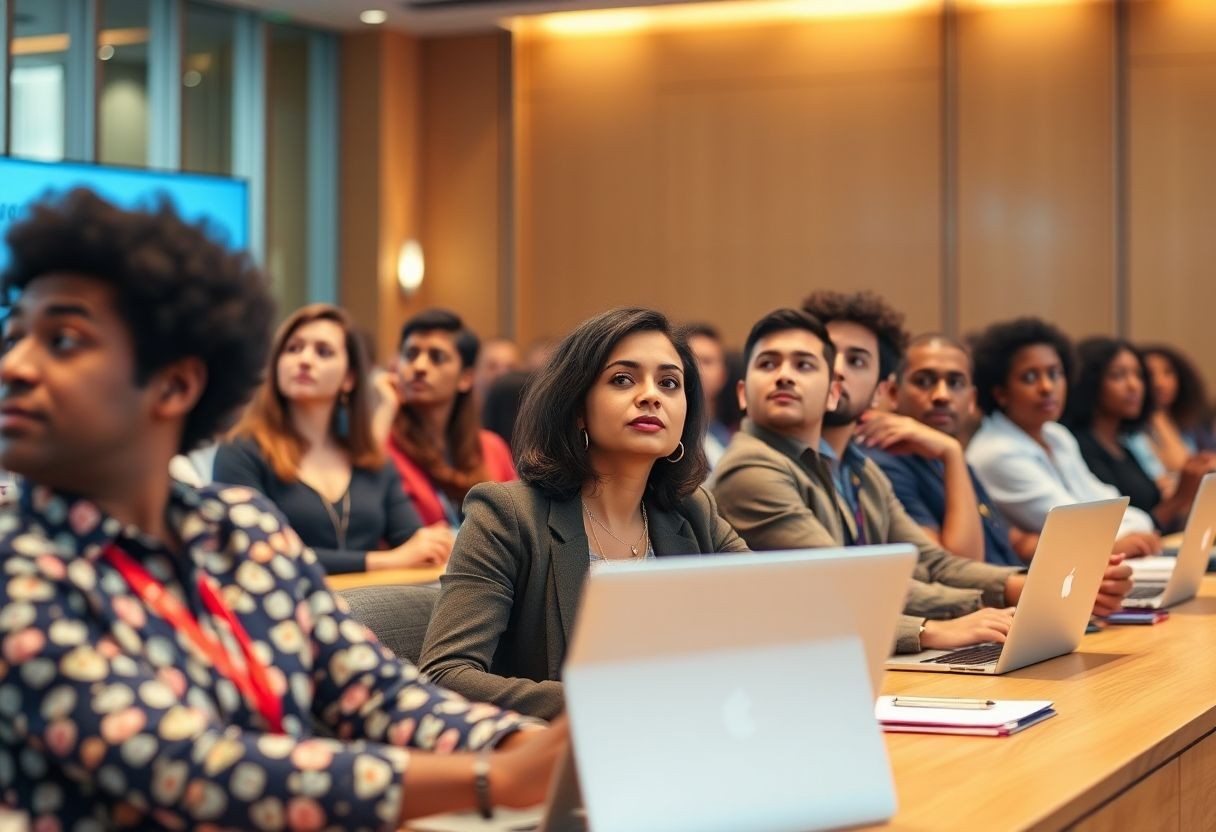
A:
x: 510, y: 595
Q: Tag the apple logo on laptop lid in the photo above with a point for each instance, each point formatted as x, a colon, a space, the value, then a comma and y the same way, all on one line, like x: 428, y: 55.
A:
x: 1066, y: 587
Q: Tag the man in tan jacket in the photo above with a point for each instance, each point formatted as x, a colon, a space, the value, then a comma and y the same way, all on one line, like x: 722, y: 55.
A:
x: 787, y: 481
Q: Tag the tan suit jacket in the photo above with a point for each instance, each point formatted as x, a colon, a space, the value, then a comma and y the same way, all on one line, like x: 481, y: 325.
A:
x: 778, y: 493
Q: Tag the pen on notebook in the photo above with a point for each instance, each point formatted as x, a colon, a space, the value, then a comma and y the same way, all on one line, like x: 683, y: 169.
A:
x: 941, y: 702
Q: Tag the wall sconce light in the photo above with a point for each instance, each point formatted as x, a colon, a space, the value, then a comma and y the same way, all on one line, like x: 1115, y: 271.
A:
x: 410, y: 267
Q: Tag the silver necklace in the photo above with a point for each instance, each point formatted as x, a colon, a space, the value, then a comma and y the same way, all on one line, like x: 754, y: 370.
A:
x: 633, y: 547
x: 340, y: 524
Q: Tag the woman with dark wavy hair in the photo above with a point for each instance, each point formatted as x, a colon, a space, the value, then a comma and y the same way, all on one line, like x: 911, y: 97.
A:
x: 1109, y: 404
x: 610, y: 457
x: 1177, y: 427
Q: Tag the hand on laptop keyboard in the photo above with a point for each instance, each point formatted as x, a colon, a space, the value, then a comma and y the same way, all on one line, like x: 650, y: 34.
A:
x: 986, y: 625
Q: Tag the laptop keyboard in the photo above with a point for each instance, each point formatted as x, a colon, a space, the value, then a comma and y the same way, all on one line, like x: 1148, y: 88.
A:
x: 1146, y: 590
x: 979, y: 654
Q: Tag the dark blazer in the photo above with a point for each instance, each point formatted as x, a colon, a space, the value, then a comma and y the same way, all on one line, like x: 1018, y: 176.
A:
x: 508, y: 601
x: 381, y: 513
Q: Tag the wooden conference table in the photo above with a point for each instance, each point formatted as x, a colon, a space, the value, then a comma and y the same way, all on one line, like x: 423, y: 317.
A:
x: 1133, y: 746
x: 385, y: 577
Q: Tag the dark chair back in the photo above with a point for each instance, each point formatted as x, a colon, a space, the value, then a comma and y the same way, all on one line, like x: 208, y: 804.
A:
x: 398, y: 615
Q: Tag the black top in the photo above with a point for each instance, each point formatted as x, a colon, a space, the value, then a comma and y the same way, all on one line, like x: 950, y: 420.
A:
x: 381, y: 514
x: 1123, y: 472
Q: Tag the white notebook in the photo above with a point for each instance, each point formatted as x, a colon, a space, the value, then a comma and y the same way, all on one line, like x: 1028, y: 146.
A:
x: 1006, y: 716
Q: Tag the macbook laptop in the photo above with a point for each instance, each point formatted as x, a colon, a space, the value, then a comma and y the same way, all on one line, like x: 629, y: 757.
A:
x: 691, y: 681
x: 735, y: 691
x: 1185, y: 572
x: 1065, y: 573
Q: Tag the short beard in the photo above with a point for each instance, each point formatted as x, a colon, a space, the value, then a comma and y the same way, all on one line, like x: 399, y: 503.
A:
x: 838, y: 419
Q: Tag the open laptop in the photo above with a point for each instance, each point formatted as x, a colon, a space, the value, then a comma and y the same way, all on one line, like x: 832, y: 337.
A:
x: 1186, y: 571
x: 692, y: 683
x: 1065, y: 573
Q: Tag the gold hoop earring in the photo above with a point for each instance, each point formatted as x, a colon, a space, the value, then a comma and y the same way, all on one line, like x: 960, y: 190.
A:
x: 586, y: 439
x: 680, y: 448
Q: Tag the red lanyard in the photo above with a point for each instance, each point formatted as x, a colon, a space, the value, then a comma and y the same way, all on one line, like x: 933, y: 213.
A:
x: 253, y: 682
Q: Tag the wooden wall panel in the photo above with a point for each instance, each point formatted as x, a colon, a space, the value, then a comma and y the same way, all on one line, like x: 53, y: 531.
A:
x: 379, y: 181
x: 719, y: 174
x: 1036, y: 165
x: 1171, y: 171
x: 360, y: 175
x: 463, y: 89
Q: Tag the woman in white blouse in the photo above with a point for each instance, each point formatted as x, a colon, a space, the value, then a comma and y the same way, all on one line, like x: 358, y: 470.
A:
x: 1028, y: 462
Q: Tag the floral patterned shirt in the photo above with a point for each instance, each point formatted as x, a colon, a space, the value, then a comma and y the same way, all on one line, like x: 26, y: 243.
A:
x: 109, y: 718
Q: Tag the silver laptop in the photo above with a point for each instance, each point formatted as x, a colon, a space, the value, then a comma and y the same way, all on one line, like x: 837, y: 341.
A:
x: 735, y: 691
x: 1063, y: 581
x: 1186, y: 572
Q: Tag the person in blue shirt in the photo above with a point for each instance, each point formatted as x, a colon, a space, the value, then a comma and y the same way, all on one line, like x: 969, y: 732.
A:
x: 918, y: 449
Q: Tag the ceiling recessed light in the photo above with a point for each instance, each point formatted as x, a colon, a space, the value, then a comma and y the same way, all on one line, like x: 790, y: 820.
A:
x: 105, y: 52
x: 373, y: 17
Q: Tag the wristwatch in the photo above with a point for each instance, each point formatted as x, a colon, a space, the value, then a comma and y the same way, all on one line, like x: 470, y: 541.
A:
x: 481, y: 785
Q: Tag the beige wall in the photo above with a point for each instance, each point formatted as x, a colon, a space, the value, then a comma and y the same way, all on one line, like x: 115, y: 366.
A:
x: 720, y: 172
x: 720, y: 175
x: 379, y: 179
x: 465, y: 95
x: 1036, y: 221
x: 1172, y: 175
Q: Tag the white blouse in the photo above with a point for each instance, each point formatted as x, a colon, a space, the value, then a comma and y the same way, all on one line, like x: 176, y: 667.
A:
x: 1026, y: 482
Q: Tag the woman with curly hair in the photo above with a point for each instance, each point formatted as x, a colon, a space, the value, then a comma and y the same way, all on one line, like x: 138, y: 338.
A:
x: 1028, y: 462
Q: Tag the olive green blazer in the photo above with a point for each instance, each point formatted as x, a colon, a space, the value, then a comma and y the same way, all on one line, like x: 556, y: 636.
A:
x: 508, y: 601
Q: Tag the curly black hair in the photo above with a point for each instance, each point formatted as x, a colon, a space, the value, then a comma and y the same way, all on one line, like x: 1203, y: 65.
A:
x: 869, y: 310
x: 1190, y: 406
x: 993, y: 349
x: 548, y: 445
x: 1094, y: 356
x: 179, y: 290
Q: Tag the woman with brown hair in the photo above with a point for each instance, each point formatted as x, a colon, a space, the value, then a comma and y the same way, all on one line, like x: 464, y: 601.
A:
x: 437, y: 441
x: 306, y: 442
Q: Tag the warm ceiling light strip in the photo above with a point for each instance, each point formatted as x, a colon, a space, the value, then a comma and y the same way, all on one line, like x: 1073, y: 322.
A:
x: 61, y: 42
x: 41, y: 44
x: 122, y: 37
x: 691, y: 15
x: 1013, y: 4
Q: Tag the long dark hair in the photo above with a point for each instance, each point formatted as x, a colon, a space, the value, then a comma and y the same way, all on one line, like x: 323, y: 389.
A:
x: 266, y: 420
x: 548, y: 443
x: 468, y: 466
x: 1190, y: 406
x: 1094, y: 356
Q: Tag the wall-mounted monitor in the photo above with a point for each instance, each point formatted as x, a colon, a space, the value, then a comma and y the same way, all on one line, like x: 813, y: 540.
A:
x: 222, y: 201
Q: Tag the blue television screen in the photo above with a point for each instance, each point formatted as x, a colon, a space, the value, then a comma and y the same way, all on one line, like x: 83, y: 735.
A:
x: 222, y: 201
